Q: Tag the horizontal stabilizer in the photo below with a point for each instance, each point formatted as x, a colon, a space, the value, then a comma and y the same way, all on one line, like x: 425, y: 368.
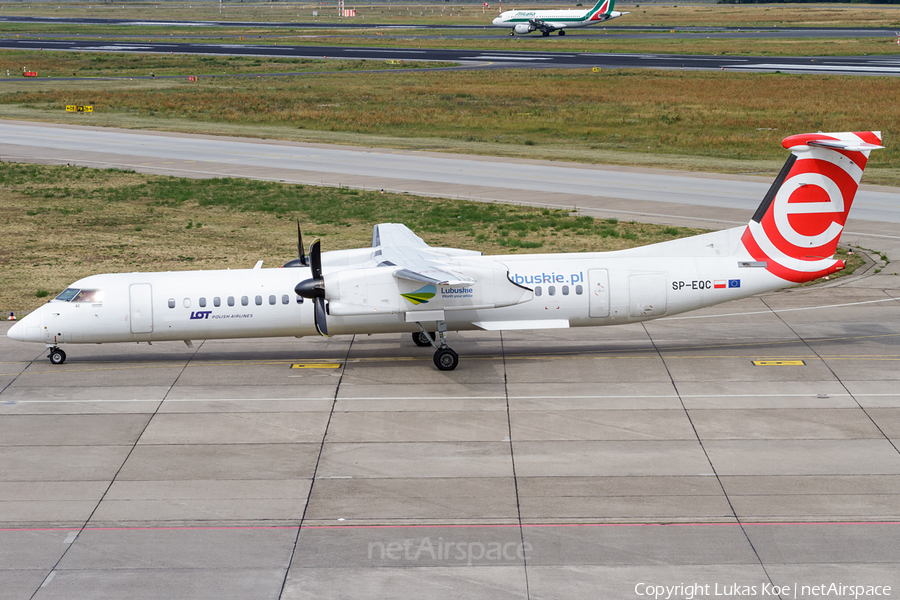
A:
x: 844, y: 145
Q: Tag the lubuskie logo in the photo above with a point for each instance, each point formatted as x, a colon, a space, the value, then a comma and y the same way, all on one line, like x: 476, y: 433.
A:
x: 421, y: 295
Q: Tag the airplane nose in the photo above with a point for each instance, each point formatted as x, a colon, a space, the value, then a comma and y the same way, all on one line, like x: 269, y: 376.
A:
x: 17, y: 331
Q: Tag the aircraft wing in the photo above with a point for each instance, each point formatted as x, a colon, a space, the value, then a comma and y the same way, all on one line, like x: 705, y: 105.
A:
x: 417, y: 261
x: 541, y: 25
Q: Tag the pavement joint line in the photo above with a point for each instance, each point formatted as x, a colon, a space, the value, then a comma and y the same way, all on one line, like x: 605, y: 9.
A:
x: 436, y: 398
x: 312, y: 483
x: 703, y: 448
x: 456, y: 526
x: 864, y: 410
x: 781, y: 310
x: 512, y: 460
x: 875, y: 357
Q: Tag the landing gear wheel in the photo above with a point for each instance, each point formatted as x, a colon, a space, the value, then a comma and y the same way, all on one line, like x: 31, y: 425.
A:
x: 512, y: 33
x: 562, y: 32
x: 421, y: 338
x: 57, y: 356
x: 446, y: 359
x: 545, y: 33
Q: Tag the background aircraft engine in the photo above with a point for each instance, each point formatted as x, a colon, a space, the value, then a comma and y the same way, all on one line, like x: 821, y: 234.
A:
x: 523, y: 29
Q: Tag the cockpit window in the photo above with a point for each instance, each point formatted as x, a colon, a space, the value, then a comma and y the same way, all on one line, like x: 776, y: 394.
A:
x: 68, y: 294
x: 88, y: 296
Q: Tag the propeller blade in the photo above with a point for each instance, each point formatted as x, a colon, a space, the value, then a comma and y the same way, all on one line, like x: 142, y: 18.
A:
x: 321, y: 321
x: 300, y: 254
x: 300, y: 261
x: 315, y: 258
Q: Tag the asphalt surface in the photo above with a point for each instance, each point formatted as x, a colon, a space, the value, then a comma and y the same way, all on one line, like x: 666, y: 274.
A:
x: 554, y: 464
x: 847, y: 65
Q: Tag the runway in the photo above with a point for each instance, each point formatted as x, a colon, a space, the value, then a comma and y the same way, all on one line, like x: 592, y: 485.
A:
x: 885, y: 65
x: 753, y: 444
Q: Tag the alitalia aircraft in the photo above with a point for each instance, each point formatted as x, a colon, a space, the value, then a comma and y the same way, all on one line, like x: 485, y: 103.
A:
x: 400, y: 284
x: 546, y: 21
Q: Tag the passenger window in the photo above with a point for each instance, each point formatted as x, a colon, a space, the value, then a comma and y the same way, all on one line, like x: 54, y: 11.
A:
x: 551, y: 290
x: 299, y: 299
x: 272, y: 300
x: 565, y: 290
x: 202, y: 303
x: 245, y: 301
x: 259, y: 300
x: 171, y: 302
x: 187, y: 302
x: 538, y: 291
x: 230, y: 300
x: 579, y: 289
x: 217, y: 302
x: 285, y: 299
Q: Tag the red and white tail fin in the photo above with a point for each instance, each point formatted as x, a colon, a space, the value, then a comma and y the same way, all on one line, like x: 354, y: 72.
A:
x: 796, y: 229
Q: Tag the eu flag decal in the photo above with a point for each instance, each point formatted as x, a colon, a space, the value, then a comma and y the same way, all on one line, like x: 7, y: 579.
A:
x: 734, y: 283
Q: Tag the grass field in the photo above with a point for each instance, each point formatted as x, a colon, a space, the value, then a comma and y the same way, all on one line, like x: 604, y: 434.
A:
x: 696, y: 120
x: 89, y: 64
x: 60, y: 224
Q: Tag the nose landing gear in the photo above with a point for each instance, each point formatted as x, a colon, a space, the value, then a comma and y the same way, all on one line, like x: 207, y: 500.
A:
x: 56, y: 356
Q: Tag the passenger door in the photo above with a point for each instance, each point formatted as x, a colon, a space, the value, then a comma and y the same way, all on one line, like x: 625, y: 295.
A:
x: 141, y: 303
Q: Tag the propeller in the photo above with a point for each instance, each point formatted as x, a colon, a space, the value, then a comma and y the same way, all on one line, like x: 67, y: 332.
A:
x: 300, y: 261
x: 314, y: 288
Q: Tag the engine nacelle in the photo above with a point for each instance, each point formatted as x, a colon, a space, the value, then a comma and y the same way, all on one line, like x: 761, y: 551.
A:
x: 522, y: 28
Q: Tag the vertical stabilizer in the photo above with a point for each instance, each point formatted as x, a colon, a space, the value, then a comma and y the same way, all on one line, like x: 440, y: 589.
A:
x: 601, y: 10
x: 797, y: 227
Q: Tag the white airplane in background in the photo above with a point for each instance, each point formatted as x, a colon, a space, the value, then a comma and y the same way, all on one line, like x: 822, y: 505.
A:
x: 526, y: 21
x: 400, y: 284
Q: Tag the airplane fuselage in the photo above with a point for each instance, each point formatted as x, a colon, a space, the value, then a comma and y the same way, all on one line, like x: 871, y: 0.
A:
x: 566, y: 290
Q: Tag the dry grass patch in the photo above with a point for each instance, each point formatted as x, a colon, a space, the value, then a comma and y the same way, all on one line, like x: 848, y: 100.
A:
x: 742, y: 116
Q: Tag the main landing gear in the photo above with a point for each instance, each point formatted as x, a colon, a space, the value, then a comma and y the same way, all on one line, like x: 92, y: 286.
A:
x: 56, y: 356
x: 445, y: 359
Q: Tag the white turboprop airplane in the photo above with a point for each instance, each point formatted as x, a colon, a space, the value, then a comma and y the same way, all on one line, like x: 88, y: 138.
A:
x: 547, y: 21
x: 400, y: 284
